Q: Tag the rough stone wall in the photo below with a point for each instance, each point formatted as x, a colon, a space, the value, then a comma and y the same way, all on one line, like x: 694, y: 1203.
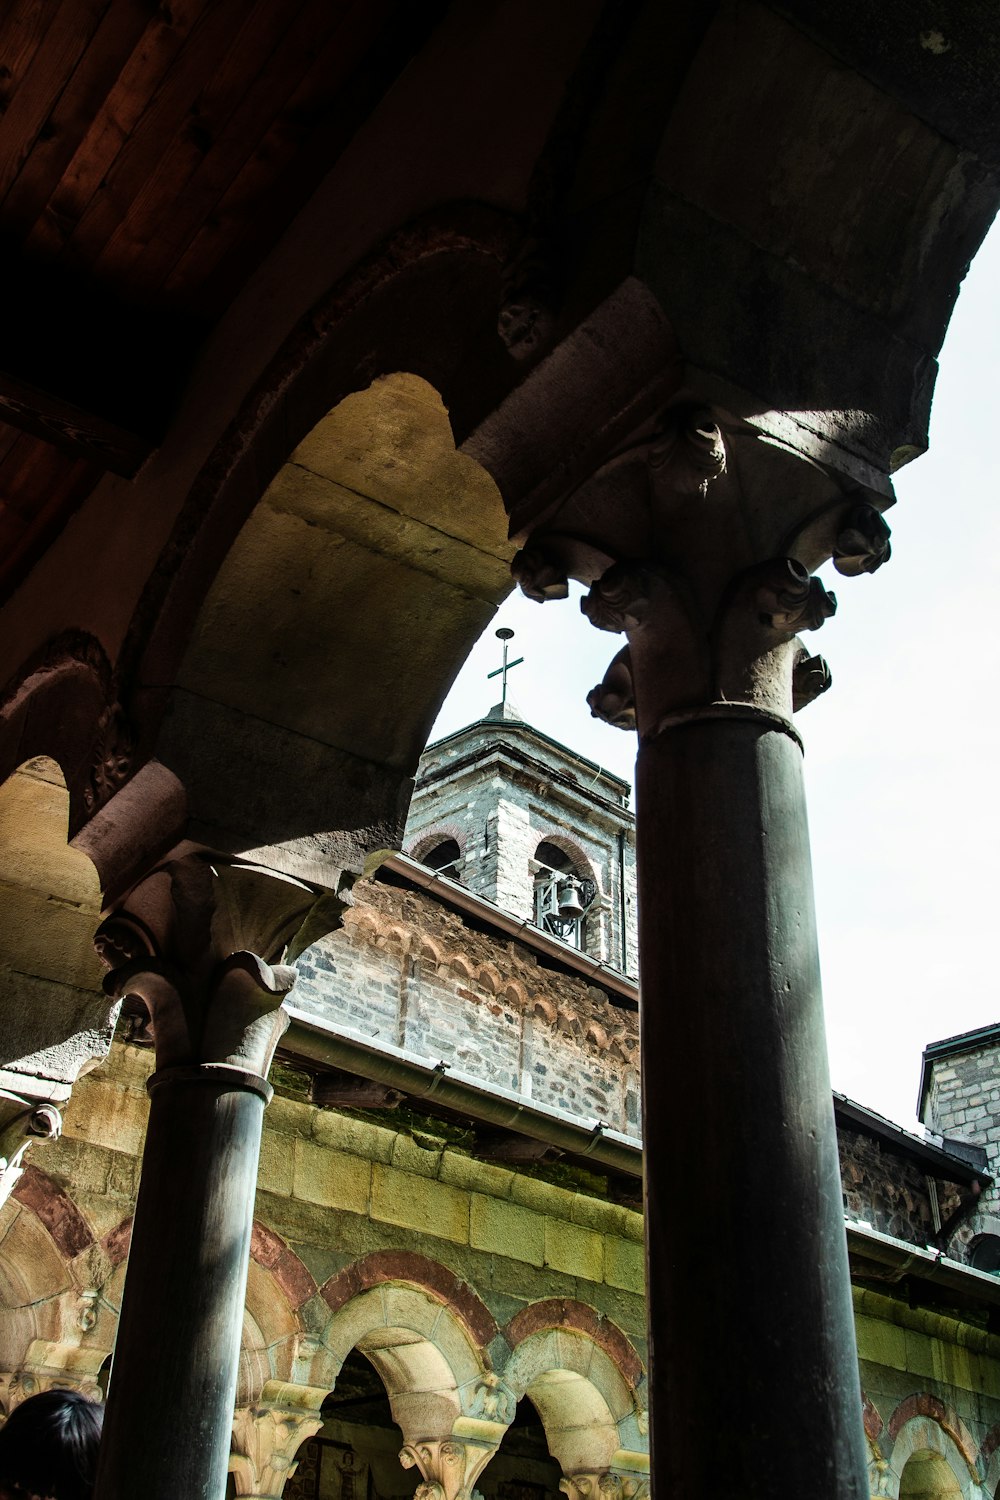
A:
x: 407, y: 970
x: 887, y: 1191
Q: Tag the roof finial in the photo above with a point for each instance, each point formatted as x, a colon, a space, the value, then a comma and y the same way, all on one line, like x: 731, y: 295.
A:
x: 504, y: 634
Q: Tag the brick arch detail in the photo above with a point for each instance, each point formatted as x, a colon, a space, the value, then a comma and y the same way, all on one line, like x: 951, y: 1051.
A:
x: 417, y: 1270
x: 923, y: 1404
x: 439, y: 834
x: 872, y: 1420
x: 273, y: 1255
x: 55, y: 1210
x: 559, y: 1312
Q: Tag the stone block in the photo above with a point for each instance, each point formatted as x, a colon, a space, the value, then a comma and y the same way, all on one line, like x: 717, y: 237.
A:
x: 288, y: 1117
x: 475, y: 1176
x: 625, y: 1265
x: 410, y: 1155
x: 920, y: 1355
x: 420, y: 1203
x: 275, y: 1168
x: 881, y: 1343
x: 541, y: 1196
x: 331, y: 1178
x: 358, y: 1137
x: 578, y: 1252
x: 506, y: 1228
x: 106, y: 1115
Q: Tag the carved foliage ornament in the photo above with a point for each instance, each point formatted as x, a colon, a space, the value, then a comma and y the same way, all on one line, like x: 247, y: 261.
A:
x: 604, y: 1485
x: 449, y: 1468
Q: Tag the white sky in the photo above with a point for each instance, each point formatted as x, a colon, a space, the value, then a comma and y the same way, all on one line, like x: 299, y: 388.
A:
x: 901, y: 754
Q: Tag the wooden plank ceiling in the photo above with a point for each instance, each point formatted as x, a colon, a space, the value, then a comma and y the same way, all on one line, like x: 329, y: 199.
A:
x: 150, y: 156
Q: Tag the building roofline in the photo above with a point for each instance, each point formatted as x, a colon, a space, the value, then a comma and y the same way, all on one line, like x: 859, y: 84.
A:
x: 938, y: 1160
x: 950, y: 1046
x: 521, y: 727
x: 560, y: 783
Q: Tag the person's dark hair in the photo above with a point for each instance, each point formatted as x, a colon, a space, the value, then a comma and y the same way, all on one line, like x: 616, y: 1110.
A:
x: 48, y: 1446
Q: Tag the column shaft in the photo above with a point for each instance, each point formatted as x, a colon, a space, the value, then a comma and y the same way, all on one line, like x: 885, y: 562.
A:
x: 173, y: 1383
x: 754, y: 1386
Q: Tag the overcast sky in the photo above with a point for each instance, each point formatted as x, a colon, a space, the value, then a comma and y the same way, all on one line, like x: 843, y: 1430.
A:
x: 901, y: 754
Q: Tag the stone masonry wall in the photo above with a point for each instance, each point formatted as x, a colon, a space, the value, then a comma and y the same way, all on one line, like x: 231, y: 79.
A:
x: 887, y: 1191
x: 409, y: 971
x: 499, y: 806
x: 964, y: 1103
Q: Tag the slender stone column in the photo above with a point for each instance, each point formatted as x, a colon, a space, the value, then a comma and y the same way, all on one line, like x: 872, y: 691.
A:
x: 705, y: 565
x: 216, y: 1016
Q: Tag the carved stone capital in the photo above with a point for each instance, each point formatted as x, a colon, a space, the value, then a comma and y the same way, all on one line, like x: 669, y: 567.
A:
x: 698, y: 538
x: 266, y: 1439
x: 604, y: 1484
x: 23, y: 1123
x: 193, y: 941
x: 449, y: 1467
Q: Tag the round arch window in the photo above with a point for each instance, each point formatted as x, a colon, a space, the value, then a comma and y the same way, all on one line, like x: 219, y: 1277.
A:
x: 445, y: 858
x: 561, y: 896
x: 985, y: 1253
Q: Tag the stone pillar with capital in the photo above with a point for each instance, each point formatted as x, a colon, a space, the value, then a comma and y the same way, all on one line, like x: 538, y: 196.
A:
x: 698, y: 540
x: 193, y: 941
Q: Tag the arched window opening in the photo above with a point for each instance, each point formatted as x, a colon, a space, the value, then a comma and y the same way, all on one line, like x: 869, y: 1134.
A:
x: 522, y: 1468
x: 445, y: 858
x: 984, y: 1253
x: 354, y: 1456
x: 928, y: 1476
x: 562, y: 897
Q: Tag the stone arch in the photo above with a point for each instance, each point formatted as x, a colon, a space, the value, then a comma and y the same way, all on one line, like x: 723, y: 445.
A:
x: 583, y: 865
x: 989, y: 1460
x: 271, y: 1323
x: 584, y: 1379
x: 51, y: 895
x: 293, y: 1279
x: 332, y: 514
x: 933, y: 1456
x: 432, y: 837
x: 425, y: 1333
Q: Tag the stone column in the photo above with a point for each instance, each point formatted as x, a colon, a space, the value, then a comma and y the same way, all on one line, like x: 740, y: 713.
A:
x: 705, y: 565
x: 183, y: 944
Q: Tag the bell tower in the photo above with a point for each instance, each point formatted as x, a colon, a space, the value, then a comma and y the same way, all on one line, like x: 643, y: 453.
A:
x: 524, y: 821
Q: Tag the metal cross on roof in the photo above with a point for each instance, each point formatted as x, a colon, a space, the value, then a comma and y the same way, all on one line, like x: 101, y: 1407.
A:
x: 504, y: 634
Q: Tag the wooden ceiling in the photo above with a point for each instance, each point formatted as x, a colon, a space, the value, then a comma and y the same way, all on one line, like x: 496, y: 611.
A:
x: 150, y: 156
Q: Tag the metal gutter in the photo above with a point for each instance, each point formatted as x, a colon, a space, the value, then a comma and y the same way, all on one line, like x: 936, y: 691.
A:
x: 924, y: 1264
x: 459, y: 896
x: 315, y: 1041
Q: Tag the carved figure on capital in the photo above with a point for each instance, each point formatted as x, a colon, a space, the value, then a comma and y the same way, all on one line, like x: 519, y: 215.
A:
x: 604, y: 1484
x: 449, y: 1467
